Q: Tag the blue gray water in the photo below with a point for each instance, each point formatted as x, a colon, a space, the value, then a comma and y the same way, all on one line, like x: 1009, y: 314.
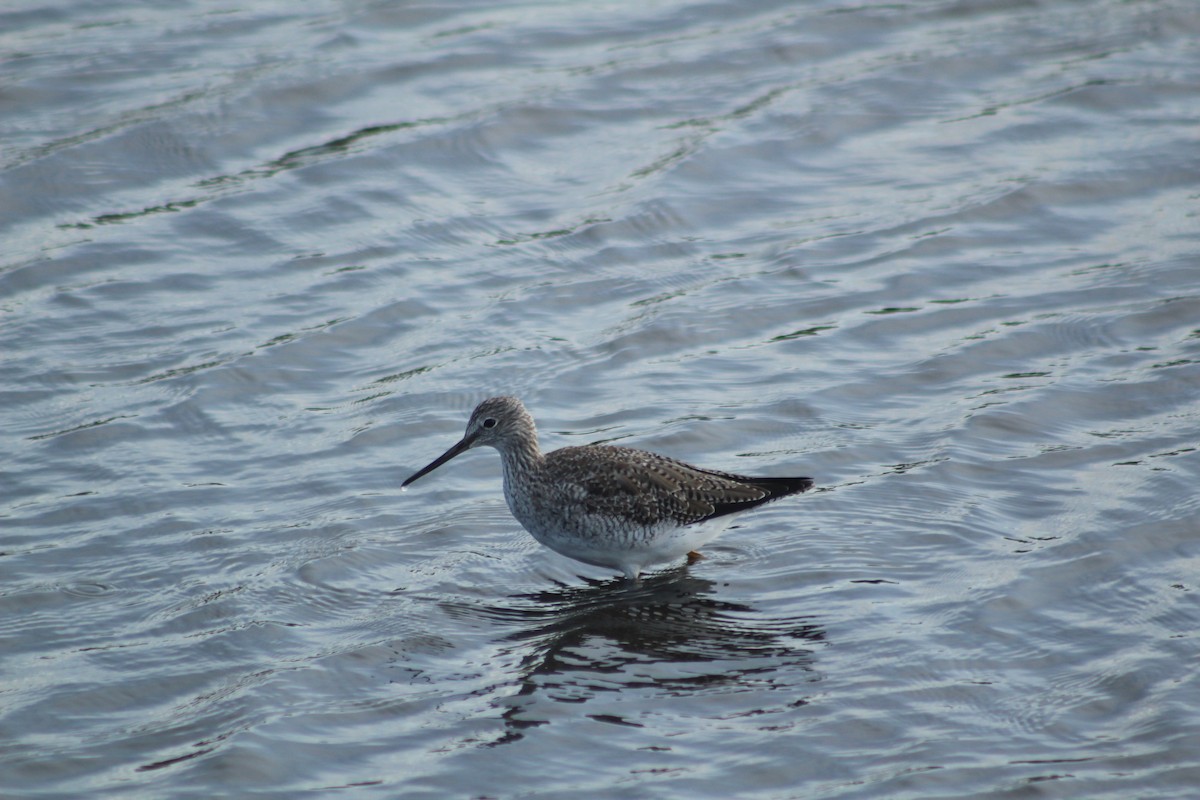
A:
x: 260, y: 260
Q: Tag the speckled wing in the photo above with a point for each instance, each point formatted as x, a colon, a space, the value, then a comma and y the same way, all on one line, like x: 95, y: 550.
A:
x: 650, y: 489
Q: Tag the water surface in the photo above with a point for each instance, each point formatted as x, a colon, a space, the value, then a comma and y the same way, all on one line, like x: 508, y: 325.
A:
x: 260, y: 262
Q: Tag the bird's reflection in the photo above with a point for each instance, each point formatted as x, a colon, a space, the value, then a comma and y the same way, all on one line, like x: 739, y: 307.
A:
x: 668, y: 634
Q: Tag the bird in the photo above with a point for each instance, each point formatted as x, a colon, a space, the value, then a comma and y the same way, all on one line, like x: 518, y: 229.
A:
x: 604, y: 505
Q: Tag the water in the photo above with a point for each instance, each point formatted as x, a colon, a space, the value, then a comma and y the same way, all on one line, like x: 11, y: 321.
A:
x: 260, y: 262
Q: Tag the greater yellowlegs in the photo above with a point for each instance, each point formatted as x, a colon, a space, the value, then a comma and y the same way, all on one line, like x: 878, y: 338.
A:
x: 608, y: 506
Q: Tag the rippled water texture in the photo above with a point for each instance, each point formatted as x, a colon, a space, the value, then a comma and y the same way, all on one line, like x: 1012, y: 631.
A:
x: 260, y: 260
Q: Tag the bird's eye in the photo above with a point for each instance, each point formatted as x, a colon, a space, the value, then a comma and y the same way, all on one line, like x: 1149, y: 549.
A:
x: 489, y: 423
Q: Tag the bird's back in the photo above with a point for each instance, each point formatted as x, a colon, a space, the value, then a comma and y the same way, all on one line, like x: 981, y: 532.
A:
x: 649, y: 489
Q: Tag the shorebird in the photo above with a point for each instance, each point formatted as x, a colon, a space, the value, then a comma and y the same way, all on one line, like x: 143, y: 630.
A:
x: 603, y: 505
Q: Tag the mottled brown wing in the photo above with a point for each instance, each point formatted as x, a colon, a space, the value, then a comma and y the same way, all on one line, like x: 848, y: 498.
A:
x: 648, y: 488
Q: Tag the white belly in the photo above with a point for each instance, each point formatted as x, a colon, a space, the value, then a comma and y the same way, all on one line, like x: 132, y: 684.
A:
x: 604, y: 542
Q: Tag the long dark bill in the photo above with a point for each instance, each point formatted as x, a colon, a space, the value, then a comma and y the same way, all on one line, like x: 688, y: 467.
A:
x: 461, y: 447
